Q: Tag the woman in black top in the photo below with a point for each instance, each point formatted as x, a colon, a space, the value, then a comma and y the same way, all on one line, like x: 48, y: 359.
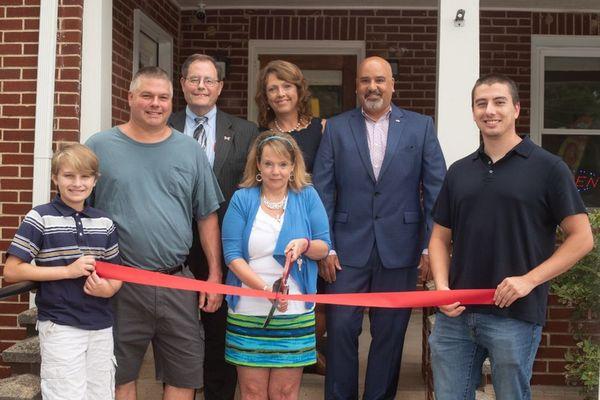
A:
x: 283, y: 103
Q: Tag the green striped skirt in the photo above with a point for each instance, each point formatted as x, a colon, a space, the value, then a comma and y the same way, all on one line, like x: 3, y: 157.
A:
x: 288, y: 341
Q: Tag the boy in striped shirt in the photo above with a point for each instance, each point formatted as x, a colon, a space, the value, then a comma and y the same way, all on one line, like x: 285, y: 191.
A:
x: 64, y: 238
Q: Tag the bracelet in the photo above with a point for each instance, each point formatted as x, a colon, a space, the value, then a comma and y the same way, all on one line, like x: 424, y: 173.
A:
x: 308, y: 246
x: 265, y: 288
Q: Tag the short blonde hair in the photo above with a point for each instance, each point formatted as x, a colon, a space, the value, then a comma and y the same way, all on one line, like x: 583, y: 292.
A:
x: 284, y: 146
x: 77, y: 156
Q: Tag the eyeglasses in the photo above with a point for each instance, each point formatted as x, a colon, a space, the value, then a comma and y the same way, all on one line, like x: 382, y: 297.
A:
x: 208, y: 82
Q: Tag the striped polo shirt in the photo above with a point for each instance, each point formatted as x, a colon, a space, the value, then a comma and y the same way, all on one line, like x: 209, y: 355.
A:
x: 54, y: 235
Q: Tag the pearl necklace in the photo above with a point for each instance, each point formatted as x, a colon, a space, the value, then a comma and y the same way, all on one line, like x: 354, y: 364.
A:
x: 274, y: 205
x: 298, y: 125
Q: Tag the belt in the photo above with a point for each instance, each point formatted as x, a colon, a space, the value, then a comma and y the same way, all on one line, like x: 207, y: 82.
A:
x: 172, y: 271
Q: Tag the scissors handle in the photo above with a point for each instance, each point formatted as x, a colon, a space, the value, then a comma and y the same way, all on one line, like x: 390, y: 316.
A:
x: 280, y: 287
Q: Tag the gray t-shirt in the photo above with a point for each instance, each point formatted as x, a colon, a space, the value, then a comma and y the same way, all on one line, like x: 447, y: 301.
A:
x: 152, y: 192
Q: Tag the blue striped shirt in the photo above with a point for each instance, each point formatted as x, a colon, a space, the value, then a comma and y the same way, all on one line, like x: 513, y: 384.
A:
x: 55, y: 235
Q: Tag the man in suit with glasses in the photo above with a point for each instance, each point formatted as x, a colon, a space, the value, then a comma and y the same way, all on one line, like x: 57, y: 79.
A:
x: 226, y: 140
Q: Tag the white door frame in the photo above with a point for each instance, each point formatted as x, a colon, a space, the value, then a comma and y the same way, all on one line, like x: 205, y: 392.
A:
x: 325, y: 47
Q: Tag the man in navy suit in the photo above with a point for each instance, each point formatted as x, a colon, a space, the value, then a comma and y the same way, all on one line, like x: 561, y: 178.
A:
x: 378, y: 171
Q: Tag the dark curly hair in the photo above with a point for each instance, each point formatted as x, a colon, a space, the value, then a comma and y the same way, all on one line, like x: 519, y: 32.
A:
x: 286, y: 71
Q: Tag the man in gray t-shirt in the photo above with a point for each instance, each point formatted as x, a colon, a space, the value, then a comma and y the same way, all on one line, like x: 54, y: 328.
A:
x: 154, y: 182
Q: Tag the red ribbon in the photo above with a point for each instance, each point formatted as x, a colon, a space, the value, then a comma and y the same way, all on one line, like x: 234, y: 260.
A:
x: 380, y: 299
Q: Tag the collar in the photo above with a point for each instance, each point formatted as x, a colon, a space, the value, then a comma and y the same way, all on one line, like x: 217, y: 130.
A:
x: 385, y: 116
x: 67, y: 211
x: 210, y: 114
x: 524, y: 149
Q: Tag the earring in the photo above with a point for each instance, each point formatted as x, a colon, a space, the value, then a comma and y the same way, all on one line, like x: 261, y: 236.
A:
x: 258, y: 177
x: 291, y: 177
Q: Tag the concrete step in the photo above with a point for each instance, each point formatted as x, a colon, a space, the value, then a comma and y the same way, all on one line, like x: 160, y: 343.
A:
x: 24, y: 356
x: 20, y: 387
x: 28, y: 319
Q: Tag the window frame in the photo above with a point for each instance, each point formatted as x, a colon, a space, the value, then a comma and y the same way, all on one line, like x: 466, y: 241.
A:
x: 543, y: 46
x: 144, y: 24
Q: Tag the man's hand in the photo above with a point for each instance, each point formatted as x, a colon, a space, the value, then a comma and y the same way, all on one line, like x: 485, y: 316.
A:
x: 424, y: 267
x: 451, y: 310
x: 328, y: 267
x: 83, y: 266
x: 99, y: 287
x: 210, y: 302
x: 511, y: 289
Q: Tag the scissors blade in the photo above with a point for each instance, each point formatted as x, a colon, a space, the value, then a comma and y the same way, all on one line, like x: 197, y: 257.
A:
x: 280, y: 289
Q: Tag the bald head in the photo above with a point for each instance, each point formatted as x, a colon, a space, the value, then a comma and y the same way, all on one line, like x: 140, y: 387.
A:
x: 375, y: 86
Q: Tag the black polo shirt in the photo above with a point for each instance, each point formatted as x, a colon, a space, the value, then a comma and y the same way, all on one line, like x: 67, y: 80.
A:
x: 503, y: 218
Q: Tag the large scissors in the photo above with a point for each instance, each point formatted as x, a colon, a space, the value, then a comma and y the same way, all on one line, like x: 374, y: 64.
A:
x: 280, y: 287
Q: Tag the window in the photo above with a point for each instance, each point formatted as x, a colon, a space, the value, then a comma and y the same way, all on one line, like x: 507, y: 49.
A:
x: 152, y: 45
x: 565, y: 106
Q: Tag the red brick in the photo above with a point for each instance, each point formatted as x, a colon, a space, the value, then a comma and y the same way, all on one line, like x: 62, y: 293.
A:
x: 12, y: 25
x: 20, y: 183
x: 13, y: 308
x: 548, y: 379
x: 551, y: 353
x: 6, y: 195
x: 18, y: 111
x: 562, y: 340
x: 557, y: 326
x: 19, y: 86
x: 560, y: 313
x: 540, y: 366
x: 25, y: 197
x: 28, y: 36
x: 15, y: 209
x: 29, y: 11
x: 31, y: 24
x: 12, y: 73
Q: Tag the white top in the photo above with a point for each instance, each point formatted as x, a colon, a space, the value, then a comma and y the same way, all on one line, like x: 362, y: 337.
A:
x: 261, y: 244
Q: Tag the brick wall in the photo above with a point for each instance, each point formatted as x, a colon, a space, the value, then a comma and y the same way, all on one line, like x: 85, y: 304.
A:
x: 408, y: 36
x: 19, y: 25
x: 165, y: 14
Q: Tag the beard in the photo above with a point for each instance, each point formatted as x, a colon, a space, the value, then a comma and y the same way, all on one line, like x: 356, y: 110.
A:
x: 373, y: 105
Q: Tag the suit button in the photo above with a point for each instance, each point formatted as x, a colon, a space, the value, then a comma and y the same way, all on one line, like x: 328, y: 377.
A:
x: 377, y: 217
x: 377, y: 193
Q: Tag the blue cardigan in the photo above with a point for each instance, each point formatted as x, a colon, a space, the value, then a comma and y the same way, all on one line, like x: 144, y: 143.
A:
x: 305, y: 216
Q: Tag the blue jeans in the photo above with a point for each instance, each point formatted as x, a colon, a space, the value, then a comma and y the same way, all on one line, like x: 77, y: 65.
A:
x: 460, y: 345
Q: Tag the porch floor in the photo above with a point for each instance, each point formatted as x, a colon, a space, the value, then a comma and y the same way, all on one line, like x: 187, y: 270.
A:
x: 411, y: 386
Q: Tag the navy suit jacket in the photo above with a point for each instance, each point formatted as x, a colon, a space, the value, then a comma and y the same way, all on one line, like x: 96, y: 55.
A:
x: 394, y: 211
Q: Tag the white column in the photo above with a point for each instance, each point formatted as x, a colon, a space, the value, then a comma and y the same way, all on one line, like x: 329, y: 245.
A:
x: 44, y: 101
x: 96, y: 68
x: 457, y: 71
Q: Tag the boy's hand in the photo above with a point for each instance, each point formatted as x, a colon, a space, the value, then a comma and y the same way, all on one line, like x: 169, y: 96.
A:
x: 99, y: 287
x: 83, y: 266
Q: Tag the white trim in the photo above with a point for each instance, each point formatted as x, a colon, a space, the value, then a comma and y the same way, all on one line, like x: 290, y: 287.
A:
x: 143, y: 23
x: 96, y: 68
x: 492, y: 5
x: 553, y: 45
x: 44, y: 101
x: 44, y: 106
x: 457, y: 71
x: 257, y: 47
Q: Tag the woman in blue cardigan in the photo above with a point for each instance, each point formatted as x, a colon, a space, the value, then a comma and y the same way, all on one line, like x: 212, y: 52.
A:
x: 276, y: 212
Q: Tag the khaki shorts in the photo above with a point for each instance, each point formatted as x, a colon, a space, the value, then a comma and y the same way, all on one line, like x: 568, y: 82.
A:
x: 169, y: 319
x: 76, y: 363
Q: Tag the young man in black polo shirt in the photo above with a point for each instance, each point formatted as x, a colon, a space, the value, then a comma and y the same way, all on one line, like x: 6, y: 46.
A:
x: 499, y: 208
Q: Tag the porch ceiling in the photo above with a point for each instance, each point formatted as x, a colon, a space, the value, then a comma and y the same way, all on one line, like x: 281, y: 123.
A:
x: 553, y: 5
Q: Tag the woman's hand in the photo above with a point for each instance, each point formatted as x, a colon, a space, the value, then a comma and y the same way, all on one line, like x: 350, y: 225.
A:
x: 297, y: 247
x: 282, y: 304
